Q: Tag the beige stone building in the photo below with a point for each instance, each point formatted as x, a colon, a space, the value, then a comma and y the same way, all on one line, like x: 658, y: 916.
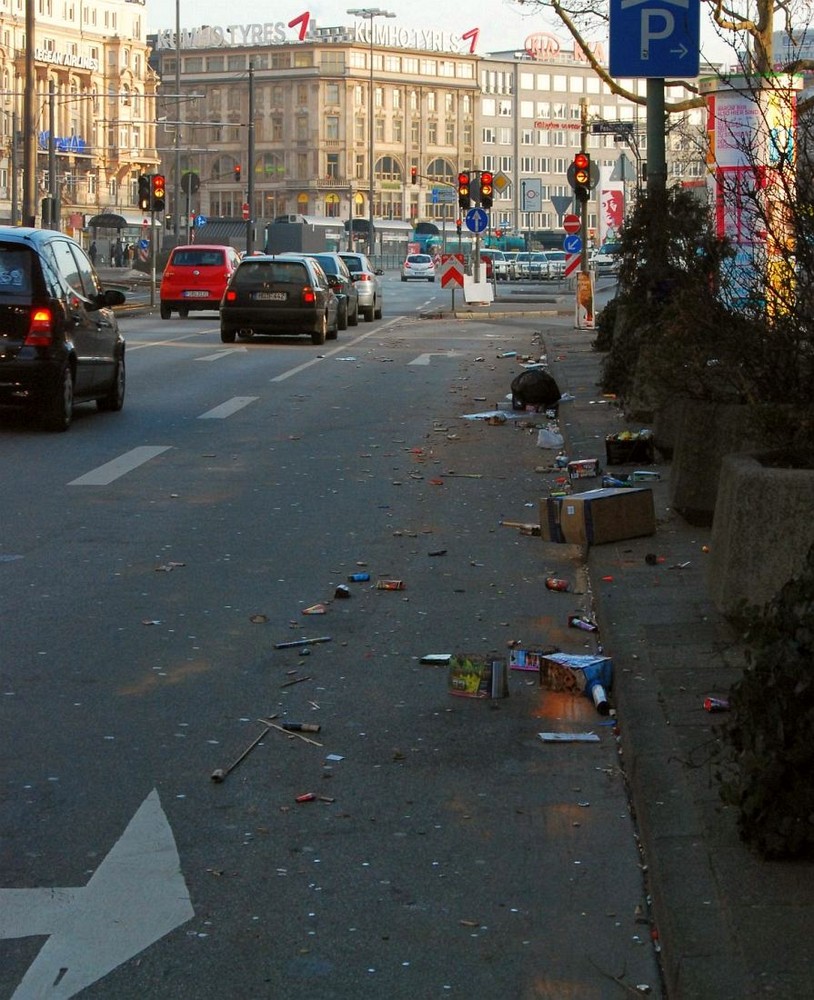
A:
x: 93, y: 81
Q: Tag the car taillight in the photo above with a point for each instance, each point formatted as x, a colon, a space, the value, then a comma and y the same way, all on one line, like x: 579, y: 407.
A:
x: 309, y: 296
x: 362, y: 277
x: 40, y: 330
x: 231, y: 295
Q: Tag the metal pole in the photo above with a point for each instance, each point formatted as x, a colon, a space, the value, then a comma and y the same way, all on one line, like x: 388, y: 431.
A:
x: 53, y: 218
x: 29, y: 123
x: 15, y: 166
x: 250, y: 166
x: 656, y: 158
x: 176, y: 187
x: 583, y: 218
x: 371, y: 238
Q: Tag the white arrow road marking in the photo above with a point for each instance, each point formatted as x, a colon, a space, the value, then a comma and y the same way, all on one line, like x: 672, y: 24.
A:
x: 105, y: 474
x: 424, y: 359
x: 228, y: 408
x: 223, y: 354
x: 135, y: 896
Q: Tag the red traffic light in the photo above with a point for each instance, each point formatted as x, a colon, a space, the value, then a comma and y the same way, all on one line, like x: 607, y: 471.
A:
x: 413, y: 175
x: 158, y: 190
x: 464, y: 198
x: 237, y: 173
x: 486, y: 188
x: 582, y: 168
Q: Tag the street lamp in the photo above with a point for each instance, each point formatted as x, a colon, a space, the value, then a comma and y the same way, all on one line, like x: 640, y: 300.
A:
x: 369, y: 13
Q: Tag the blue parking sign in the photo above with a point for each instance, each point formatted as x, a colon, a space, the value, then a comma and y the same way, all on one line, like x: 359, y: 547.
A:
x: 655, y: 38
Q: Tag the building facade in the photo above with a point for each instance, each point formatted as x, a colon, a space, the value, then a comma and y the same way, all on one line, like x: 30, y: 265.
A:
x: 93, y: 94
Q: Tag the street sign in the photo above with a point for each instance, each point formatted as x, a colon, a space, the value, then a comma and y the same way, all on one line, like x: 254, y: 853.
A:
x: 655, y: 38
x: 561, y: 203
x: 572, y: 263
x: 476, y: 220
x: 452, y: 272
x: 444, y: 196
x: 198, y: 221
x: 571, y: 223
x: 246, y: 210
x: 572, y: 243
x: 501, y: 181
x: 531, y: 194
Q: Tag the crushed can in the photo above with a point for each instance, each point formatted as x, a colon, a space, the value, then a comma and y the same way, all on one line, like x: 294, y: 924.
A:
x: 716, y: 704
x: 552, y: 583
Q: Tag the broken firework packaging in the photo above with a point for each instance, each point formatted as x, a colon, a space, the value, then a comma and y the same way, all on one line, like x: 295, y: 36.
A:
x: 390, y: 585
x: 552, y: 583
x: 591, y: 675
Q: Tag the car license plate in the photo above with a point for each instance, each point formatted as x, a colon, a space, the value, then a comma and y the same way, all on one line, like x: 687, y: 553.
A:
x: 271, y: 296
x: 197, y: 293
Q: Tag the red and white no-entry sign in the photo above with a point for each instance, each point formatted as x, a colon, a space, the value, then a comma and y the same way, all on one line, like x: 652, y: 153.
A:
x: 571, y: 224
x: 245, y: 210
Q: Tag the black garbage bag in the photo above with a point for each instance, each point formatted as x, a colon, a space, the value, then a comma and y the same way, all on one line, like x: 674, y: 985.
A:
x: 535, y: 387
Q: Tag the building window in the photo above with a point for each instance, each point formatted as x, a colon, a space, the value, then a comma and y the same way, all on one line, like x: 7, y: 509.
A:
x: 396, y: 96
x: 332, y: 93
x: 301, y: 133
x: 432, y: 133
x: 414, y: 105
x: 378, y: 129
x: 432, y: 102
x: 359, y: 129
x: 214, y: 64
x: 527, y: 137
x: 398, y: 130
x: 449, y: 133
x: 302, y: 94
x: 488, y: 136
x: 332, y: 127
x: 415, y: 132
x: 277, y: 128
x: 332, y: 165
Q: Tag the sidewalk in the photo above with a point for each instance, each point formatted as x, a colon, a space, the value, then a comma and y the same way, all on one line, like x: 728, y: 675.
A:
x: 730, y: 926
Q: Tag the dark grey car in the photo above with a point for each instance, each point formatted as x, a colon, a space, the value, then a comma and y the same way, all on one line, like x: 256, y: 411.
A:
x: 269, y: 295
x: 59, y: 339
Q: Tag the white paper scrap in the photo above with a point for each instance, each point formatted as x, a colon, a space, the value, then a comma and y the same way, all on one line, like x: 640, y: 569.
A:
x: 568, y: 737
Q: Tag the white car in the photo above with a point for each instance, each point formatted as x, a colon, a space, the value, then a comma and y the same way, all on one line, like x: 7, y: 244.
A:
x: 556, y: 263
x: 608, y: 257
x: 500, y: 265
x: 418, y: 265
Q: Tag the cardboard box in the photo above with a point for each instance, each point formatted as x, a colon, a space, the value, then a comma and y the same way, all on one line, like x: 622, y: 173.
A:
x: 607, y: 515
x: 476, y: 676
x: 550, y: 530
x: 583, y: 468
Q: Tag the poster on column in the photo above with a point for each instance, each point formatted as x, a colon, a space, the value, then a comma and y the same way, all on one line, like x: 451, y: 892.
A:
x: 611, y: 207
x: 584, y: 319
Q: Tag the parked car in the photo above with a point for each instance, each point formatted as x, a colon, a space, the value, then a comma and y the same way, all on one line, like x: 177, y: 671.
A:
x: 556, y: 263
x: 59, y: 340
x: 608, y: 257
x: 289, y: 293
x: 520, y: 265
x: 418, y: 265
x: 500, y: 265
x: 368, y: 286
x: 537, y: 268
x: 196, y: 277
x: 343, y: 285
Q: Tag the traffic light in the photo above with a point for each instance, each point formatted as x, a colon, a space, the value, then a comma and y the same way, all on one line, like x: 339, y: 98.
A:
x: 464, y: 197
x: 487, y: 189
x: 237, y: 173
x: 582, y: 176
x: 159, y: 193
x: 414, y: 175
x: 144, y: 192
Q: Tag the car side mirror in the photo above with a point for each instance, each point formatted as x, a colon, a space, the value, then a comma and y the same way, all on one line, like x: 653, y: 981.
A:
x: 109, y: 297
x: 379, y: 270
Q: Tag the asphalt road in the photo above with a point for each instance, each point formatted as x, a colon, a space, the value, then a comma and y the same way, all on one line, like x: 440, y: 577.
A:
x: 151, y: 563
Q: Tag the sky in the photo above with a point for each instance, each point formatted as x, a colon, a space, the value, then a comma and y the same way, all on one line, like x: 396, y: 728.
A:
x: 503, y: 25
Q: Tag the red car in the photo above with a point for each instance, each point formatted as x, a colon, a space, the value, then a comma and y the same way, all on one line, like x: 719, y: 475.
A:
x: 196, y: 277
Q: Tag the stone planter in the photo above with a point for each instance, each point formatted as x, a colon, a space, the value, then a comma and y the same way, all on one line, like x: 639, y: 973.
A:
x: 762, y: 529
x: 705, y: 433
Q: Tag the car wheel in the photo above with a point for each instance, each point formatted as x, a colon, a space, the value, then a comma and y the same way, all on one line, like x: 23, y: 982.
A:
x: 431, y: 279
x: 166, y: 312
x: 354, y: 319
x: 114, y: 400
x: 377, y: 312
x: 403, y: 278
x: 342, y: 318
x: 227, y: 336
x: 58, y: 415
x: 183, y: 311
x: 368, y: 314
x: 319, y: 336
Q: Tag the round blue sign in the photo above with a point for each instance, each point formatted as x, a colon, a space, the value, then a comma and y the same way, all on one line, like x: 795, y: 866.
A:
x: 200, y: 220
x: 476, y: 220
x: 572, y: 243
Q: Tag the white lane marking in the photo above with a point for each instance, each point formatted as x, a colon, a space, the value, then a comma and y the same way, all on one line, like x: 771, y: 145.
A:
x: 343, y: 349
x: 136, y: 896
x: 105, y: 474
x: 228, y: 408
x: 222, y: 354
x: 170, y: 341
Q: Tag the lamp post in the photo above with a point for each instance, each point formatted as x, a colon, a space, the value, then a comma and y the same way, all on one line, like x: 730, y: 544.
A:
x: 369, y: 13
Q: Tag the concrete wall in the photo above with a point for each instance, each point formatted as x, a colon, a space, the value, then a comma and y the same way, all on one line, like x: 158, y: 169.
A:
x: 762, y: 530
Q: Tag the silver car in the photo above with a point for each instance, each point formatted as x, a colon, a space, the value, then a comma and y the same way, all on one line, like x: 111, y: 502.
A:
x: 366, y: 279
x: 418, y: 265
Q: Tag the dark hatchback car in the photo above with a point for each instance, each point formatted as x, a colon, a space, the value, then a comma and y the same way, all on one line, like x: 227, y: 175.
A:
x: 59, y: 339
x: 271, y: 295
x: 341, y: 280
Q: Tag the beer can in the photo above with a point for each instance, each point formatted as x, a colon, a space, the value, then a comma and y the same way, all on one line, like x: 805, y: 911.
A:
x: 552, y: 583
x: 359, y: 577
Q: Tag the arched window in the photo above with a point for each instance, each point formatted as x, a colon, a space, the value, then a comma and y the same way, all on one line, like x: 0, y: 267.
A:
x: 441, y: 170
x: 389, y: 169
x: 269, y: 167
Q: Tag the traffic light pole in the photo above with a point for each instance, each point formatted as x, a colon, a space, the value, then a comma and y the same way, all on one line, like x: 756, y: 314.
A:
x: 583, y: 211
x: 153, y: 256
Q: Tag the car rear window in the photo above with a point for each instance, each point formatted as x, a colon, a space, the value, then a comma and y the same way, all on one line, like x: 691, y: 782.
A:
x: 15, y: 269
x: 420, y: 258
x: 253, y: 273
x: 197, y: 258
x: 354, y: 263
x: 328, y: 264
